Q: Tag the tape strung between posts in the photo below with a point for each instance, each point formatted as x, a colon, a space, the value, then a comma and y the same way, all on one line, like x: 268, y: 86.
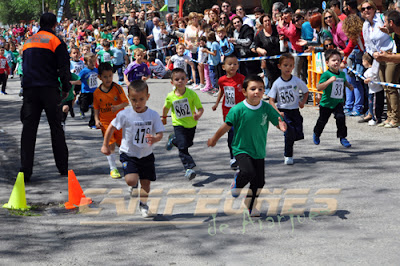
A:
x: 271, y: 57
x: 379, y: 83
x: 168, y: 46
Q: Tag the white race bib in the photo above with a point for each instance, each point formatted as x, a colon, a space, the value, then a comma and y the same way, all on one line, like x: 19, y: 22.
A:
x: 78, y: 68
x: 141, y: 129
x: 92, y: 81
x: 286, y: 95
x: 106, y: 57
x: 337, y: 89
x: 229, y: 96
x: 182, y: 108
x: 3, y: 63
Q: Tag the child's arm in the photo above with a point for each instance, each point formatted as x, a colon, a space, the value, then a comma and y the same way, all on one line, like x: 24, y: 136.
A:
x: 348, y: 85
x: 303, y: 102
x: 145, y: 77
x: 105, y: 149
x: 153, y: 139
x: 282, y: 125
x: 220, y: 132
x: 97, y: 118
x: 126, y: 60
x: 75, y: 82
x: 164, y: 115
x: 218, y: 100
x: 115, y: 108
x: 272, y: 103
x: 198, y: 114
x: 322, y: 86
x: 168, y: 64
x: 205, y: 50
x: 126, y: 80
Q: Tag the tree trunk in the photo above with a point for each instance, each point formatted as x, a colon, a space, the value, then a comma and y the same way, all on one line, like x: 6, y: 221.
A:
x: 67, y: 9
x: 100, y: 14
x: 108, y: 8
x: 86, y: 9
x: 95, y: 10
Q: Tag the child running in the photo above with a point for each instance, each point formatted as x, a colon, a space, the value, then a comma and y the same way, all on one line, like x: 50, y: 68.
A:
x: 230, y: 89
x: 286, y: 89
x: 108, y: 100
x: 88, y: 77
x: 180, y: 60
x: 332, y: 83
x: 142, y: 128
x: 184, y: 118
x: 4, y: 71
x: 250, y: 118
x: 137, y: 70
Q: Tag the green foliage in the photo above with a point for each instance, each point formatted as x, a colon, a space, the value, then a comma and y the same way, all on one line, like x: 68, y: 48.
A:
x: 197, y: 5
x: 267, y: 6
x: 15, y: 11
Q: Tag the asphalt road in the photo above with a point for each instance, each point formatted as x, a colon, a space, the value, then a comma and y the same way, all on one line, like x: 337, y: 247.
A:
x: 348, y: 200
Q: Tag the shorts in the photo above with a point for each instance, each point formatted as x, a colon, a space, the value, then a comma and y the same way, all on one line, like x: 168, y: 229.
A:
x: 116, y: 136
x: 142, y: 166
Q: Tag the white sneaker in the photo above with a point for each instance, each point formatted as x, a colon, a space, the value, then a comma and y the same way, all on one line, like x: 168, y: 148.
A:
x: 144, y: 210
x: 193, y: 86
x: 289, y: 160
x: 371, y: 123
x: 197, y: 87
x: 133, y: 191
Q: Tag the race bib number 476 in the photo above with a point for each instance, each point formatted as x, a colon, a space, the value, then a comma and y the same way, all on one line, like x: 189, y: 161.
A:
x: 182, y: 108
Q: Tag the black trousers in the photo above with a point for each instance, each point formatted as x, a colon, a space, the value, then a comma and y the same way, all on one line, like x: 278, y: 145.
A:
x: 86, y: 102
x: 35, y: 100
x: 3, y: 82
x: 251, y: 171
x: 294, y: 132
x: 183, y: 140
x: 325, y: 113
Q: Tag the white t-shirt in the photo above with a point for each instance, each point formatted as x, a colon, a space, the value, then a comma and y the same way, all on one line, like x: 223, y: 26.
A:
x: 202, y: 57
x: 157, y: 36
x: 373, y: 88
x: 135, y: 127
x: 287, y: 93
x: 179, y: 61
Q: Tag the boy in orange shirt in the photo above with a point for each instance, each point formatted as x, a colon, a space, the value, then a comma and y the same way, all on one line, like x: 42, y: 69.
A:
x: 108, y: 99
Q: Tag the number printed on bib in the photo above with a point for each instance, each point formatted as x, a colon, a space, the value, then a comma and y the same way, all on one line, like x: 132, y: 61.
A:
x: 78, y: 69
x: 286, y: 95
x: 229, y: 96
x: 107, y: 57
x: 337, y: 89
x: 182, y: 108
x: 141, y: 129
x: 3, y: 63
x: 92, y: 81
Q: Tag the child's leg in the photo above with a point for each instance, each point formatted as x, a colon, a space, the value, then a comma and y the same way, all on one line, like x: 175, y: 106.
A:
x: 144, y: 190
x: 91, y: 121
x: 120, y: 74
x: 256, y: 184
x: 65, y: 110
x: 324, y: 114
x: 371, y: 101
x: 131, y: 179
x: 379, y: 103
x: 340, y: 121
x: 111, y: 157
x: 184, y: 140
x: 212, y: 76
x: 3, y: 80
x: 207, y: 76
x: 201, y: 73
x: 289, y: 134
x: 231, y: 134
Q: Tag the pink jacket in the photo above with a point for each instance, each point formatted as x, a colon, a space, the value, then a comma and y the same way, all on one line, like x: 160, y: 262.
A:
x: 293, y: 34
x: 338, y: 36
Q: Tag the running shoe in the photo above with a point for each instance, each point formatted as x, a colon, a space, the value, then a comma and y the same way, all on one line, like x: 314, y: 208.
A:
x: 190, y: 174
x: 289, y: 160
x: 115, y: 174
x: 235, y: 191
x: 133, y: 191
x: 345, y: 143
x: 234, y: 164
x: 144, y: 210
x: 82, y: 115
x: 169, y: 144
x: 316, y: 139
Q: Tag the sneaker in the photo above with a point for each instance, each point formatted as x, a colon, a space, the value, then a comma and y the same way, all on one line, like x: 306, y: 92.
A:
x: 196, y: 87
x: 144, y: 210
x: 345, y: 142
x: 289, y: 160
x: 20, y: 93
x: 92, y: 127
x: 346, y: 110
x: 12, y: 76
x: 355, y: 113
x: 206, y: 89
x: 169, y: 144
x: 234, y: 164
x: 316, y: 139
x: 216, y: 94
x: 190, y: 174
x: 4, y: 93
x: 235, y: 191
x: 391, y: 125
x: 82, y: 115
x: 133, y: 191
x: 365, y: 119
x: 371, y: 123
x: 63, y: 126
x: 115, y: 174
x: 189, y: 82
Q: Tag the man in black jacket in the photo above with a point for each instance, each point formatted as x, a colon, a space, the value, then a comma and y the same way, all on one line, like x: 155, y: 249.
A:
x: 45, y: 59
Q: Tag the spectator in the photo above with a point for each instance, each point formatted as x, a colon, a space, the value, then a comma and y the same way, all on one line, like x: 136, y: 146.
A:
x: 227, y: 9
x: 242, y: 14
x: 335, y: 7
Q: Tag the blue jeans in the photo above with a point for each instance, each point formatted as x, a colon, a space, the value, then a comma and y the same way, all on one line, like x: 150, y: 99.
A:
x: 183, y: 140
x: 212, y: 76
x: 375, y: 104
x: 355, y: 98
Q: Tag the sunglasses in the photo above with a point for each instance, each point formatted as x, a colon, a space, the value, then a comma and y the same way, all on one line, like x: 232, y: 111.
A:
x: 239, y: 9
x: 328, y: 17
x: 328, y: 44
x: 366, y: 8
x: 224, y: 5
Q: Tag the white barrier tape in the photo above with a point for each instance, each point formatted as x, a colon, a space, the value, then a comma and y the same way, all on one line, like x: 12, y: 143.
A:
x: 172, y: 45
x: 271, y: 57
x: 379, y: 83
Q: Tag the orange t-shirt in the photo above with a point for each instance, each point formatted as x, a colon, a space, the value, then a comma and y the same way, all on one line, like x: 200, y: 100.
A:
x: 104, y: 100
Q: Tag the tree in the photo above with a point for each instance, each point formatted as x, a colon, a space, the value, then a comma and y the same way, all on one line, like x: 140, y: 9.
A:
x: 15, y: 11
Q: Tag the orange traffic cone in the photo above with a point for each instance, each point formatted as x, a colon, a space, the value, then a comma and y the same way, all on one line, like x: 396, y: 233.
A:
x: 76, y: 198
x: 17, y: 199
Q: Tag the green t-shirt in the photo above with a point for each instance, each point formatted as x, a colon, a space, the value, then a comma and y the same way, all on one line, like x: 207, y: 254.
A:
x: 183, y: 108
x: 105, y: 56
x: 19, y: 69
x: 109, y: 36
x: 133, y: 47
x: 251, y: 127
x: 71, y: 95
x: 332, y: 97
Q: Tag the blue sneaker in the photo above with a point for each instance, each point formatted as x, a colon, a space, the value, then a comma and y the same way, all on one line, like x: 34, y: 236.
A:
x: 355, y: 113
x: 316, y: 139
x: 235, y: 191
x: 190, y: 174
x: 169, y: 144
x: 345, y: 142
x: 346, y: 111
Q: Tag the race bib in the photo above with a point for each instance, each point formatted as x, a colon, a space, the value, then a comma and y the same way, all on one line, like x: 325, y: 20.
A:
x: 182, y: 108
x: 78, y: 69
x: 229, y: 96
x: 106, y: 57
x: 3, y: 63
x: 141, y: 129
x: 92, y: 81
x: 286, y: 95
x: 337, y: 89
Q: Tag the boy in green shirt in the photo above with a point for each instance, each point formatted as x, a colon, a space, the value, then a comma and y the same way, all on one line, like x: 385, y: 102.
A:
x: 184, y: 118
x: 106, y: 54
x: 333, y: 83
x: 136, y: 44
x: 250, y: 119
